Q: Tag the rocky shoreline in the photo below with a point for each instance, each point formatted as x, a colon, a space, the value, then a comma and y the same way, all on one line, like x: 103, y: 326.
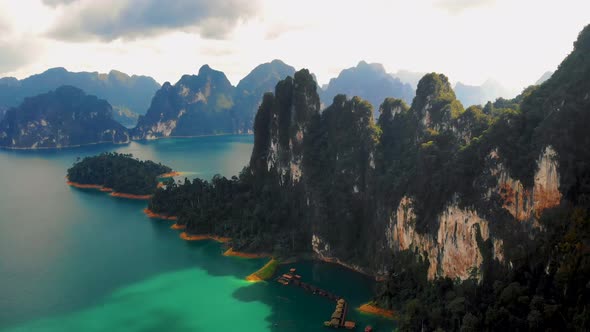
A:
x: 153, y: 215
x: 109, y: 190
x: 371, y: 309
x: 190, y: 237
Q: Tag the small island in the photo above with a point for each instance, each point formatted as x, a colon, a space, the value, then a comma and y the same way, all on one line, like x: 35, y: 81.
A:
x: 119, y: 173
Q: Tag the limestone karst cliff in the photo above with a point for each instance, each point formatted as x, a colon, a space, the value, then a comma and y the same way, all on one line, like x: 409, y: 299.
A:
x: 495, y: 196
x: 207, y: 103
x: 195, y: 105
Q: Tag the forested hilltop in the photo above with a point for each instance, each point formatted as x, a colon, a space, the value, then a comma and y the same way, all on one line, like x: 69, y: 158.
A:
x: 64, y: 117
x: 477, y: 218
x: 120, y: 172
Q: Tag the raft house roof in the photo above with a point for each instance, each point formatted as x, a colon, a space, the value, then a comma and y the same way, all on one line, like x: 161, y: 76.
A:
x: 349, y: 325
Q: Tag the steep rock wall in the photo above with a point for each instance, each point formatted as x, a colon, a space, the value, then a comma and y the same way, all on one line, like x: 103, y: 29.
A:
x: 454, y: 252
x: 527, y: 204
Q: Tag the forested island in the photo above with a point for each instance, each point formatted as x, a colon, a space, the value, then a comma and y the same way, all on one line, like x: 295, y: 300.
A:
x: 475, y: 219
x: 118, y: 172
x: 61, y: 118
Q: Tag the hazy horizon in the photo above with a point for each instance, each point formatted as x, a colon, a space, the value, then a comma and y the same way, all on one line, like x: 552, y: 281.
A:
x: 469, y: 41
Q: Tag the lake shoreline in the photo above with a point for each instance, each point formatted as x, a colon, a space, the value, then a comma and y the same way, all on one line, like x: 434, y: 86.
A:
x: 108, y: 190
x: 264, y: 273
x: 131, y: 196
x: 232, y: 253
x: 371, y: 309
x: 142, y: 140
x: 154, y: 215
x: 41, y: 148
x: 190, y: 237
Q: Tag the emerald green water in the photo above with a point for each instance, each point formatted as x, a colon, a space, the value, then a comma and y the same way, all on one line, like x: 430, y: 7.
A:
x: 80, y: 260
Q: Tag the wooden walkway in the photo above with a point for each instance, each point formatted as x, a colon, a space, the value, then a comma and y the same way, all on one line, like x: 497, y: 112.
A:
x: 291, y: 278
x: 337, y: 320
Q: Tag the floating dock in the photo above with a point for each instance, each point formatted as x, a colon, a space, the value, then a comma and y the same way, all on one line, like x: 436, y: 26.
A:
x: 338, y: 319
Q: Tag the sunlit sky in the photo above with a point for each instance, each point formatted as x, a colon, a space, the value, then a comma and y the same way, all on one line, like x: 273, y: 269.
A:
x: 511, y: 41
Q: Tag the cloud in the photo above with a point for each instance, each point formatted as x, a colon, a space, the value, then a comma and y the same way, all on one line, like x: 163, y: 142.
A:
x: 55, y: 3
x: 15, y: 54
x: 279, y: 29
x: 108, y: 20
x: 5, y: 26
x: 457, y: 6
x: 215, y: 51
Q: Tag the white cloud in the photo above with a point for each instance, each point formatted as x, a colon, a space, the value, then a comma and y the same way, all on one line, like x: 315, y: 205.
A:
x: 56, y: 3
x: 511, y: 41
x: 15, y: 54
x: 108, y: 20
x: 457, y: 6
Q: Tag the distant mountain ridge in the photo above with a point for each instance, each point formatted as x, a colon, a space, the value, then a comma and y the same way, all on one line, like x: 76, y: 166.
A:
x: 547, y: 75
x: 409, y: 77
x: 207, y: 103
x: 251, y: 88
x: 129, y: 95
x: 368, y: 81
x: 490, y: 90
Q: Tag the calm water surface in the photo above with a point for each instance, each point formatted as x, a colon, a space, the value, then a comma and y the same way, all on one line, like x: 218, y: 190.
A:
x: 79, y: 260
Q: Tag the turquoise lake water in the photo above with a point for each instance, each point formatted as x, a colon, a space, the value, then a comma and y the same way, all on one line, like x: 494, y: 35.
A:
x: 80, y: 260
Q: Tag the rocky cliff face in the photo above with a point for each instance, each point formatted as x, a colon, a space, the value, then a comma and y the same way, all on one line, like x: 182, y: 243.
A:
x: 373, y: 191
x: 499, y: 195
x: 282, y: 123
x: 61, y: 118
x: 527, y: 204
x: 464, y: 189
x: 454, y: 251
x: 195, y: 105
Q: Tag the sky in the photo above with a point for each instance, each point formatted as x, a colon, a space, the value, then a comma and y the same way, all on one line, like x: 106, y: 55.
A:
x: 510, y: 41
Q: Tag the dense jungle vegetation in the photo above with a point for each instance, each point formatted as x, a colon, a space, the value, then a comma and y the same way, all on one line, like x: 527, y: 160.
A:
x: 121, y: 172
